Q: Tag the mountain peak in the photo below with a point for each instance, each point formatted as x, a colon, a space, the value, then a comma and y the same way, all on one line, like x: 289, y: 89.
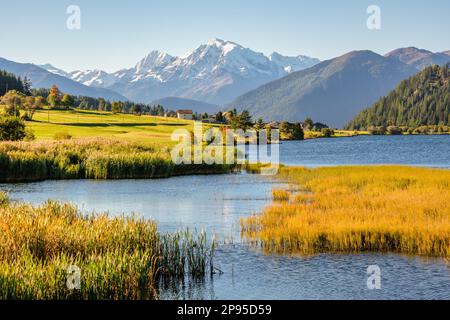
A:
x: 223, y: 45
x: 154, y: 60
x: 52, y: 69
x: 408, y: 51
x: 418, y: 58
x: 357, y: 56
x: 292, y: 64
x: 216, y: 71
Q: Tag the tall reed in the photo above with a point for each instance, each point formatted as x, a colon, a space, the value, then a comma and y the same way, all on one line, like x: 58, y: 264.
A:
x: 357, y: 209
x: 119, y: 258
x: 93, y: 158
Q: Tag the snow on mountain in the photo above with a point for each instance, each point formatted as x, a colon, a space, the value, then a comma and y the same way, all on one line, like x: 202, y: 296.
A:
x: 292, y: 64
x: 94, y: 78
x: 215, y: 72
x: 154, y: 61
x: 53, y: 70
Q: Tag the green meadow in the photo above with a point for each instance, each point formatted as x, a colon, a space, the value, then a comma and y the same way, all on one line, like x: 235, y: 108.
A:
x: 81, y: 124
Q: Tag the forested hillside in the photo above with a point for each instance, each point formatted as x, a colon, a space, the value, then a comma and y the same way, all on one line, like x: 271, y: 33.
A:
x: 421, y: 100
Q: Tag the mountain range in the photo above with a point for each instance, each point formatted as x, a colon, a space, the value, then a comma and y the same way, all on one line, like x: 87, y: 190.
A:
x: 419, y: 58
x: 334, y: 91
x: 331, y: 92
x: 215, y: 72
x: 42, y: 78
x: 223, y: 73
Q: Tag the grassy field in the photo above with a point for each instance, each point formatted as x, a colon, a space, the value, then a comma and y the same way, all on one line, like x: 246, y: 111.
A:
x: 118, y: 258
x: 79, y: 124
x: 356, y: 209
x: 97, y: 145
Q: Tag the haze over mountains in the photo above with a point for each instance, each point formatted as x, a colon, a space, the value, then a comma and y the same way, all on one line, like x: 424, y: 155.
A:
x: 216, y: 72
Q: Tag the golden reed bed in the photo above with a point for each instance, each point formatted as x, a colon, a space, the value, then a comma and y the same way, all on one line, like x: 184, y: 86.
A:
x: 358, y: 209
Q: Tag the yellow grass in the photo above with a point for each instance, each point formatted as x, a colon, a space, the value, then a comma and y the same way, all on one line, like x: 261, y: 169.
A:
x: 355, y: 209
x: 280, y: 195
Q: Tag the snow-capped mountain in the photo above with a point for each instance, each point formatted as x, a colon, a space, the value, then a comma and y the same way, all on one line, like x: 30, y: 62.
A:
x: 215, y: 72
x: 94, y: 78
x: 292, y: 64
x: 54, y: 70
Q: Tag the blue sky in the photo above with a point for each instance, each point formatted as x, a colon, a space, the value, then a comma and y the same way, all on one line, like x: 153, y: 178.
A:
x: 116, y: 34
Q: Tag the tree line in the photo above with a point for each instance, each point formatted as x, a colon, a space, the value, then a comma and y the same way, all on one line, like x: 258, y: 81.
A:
x: 58, y: 100
x: 9, y: 81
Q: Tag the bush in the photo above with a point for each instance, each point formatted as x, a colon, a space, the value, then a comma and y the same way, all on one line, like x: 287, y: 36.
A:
x: 377, y: 131
x: 12, y: 129
x: 62, y: 136
x: 327, y: 132
x: 291, y: 131
x: 29, y: 135
x: 394, y: 130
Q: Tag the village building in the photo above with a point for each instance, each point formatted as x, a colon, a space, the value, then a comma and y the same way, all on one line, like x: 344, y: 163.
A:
x: 185, y: 114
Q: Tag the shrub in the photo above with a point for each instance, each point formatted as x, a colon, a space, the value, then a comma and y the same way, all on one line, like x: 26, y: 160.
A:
x: 12, y: 129
x: 62, y: 136
x: 394, y: 130
x: 327, y: 132
x: 377, y: 131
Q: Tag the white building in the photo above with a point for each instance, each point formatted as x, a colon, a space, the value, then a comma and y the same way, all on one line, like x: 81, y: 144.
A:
x: 185, y: 114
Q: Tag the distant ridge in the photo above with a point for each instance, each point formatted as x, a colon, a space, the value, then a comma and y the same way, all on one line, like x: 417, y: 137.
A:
x: 331, y: 92
x: 419, y: 58
x: 41, y: 78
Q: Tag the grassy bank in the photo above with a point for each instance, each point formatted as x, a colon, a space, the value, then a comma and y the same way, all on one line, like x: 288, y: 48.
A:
x: 358, y: 209
x: 118, y: 258
x: 93, y: 158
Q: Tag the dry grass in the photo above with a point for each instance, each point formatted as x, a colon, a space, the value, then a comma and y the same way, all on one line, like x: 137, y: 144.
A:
x: 355, y: 209
x: 280, y: 195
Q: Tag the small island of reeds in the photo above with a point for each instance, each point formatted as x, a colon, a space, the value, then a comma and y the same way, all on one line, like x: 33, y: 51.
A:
x: 357, y: 209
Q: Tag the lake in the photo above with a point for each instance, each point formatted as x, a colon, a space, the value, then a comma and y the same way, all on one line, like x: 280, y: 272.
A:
x: 217, y: 202
x: 427, y: 151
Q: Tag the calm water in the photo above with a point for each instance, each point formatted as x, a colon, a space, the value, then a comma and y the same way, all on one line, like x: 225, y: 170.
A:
x: 431, y: 151
x: 217, y: 202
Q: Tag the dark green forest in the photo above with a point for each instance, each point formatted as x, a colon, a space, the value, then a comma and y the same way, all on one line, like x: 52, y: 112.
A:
x: 422, y: 100
x: 9, y: 81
